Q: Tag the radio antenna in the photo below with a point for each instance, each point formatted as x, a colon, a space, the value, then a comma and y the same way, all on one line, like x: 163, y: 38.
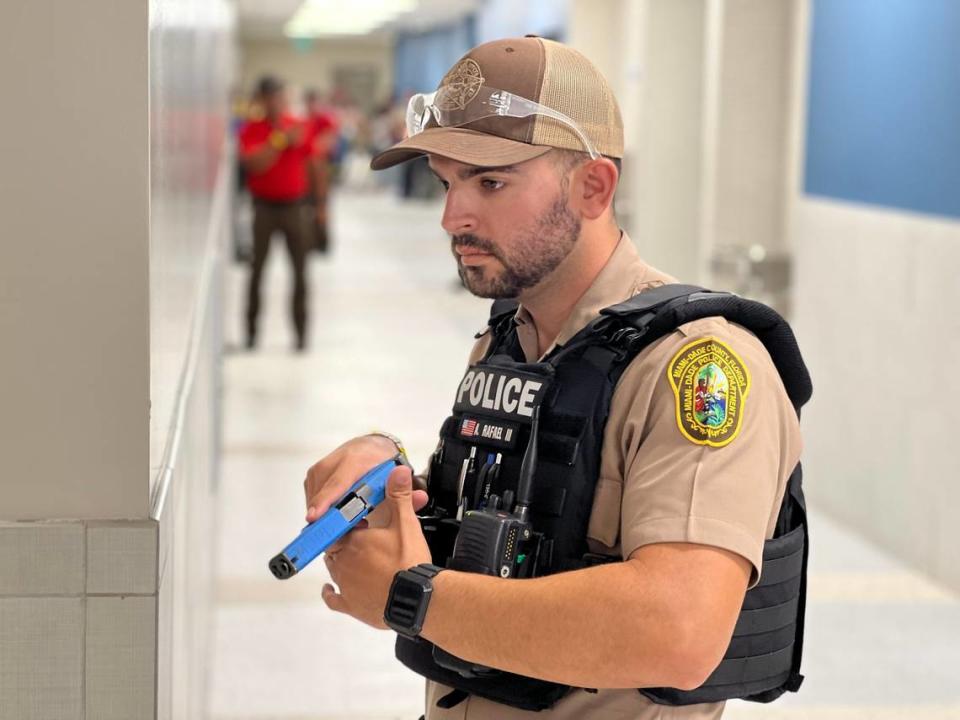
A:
x: 528, y: 469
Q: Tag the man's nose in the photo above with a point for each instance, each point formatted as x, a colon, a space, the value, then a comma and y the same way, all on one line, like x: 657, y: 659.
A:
x: 458, y: 218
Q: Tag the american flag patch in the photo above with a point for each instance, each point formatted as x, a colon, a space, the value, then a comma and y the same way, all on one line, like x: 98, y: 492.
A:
x: 468, y: 428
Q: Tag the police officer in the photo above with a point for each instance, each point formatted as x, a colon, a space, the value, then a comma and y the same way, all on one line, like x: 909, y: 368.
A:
x: 700, y: 440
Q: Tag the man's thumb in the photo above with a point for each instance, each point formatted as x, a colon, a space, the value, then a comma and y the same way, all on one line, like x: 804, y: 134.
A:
x: 400, y: 485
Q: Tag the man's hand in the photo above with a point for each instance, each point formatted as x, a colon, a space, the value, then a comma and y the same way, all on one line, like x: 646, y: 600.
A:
x: 331, y: 477
x: 295, y: 135
x: 321, y: 217
x: 364, y: 561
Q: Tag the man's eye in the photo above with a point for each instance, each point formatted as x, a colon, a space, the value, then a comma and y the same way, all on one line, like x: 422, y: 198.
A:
x: 491, y: 184
x: 444, y: 184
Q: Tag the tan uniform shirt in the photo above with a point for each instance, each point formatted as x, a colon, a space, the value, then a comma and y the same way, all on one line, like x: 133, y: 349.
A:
x: 656, y: 484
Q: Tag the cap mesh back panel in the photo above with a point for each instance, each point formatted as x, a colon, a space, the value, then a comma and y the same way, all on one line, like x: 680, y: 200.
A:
x: 572, y: 85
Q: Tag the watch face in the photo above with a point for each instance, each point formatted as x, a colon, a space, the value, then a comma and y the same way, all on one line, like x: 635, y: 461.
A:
x: 407, y: 603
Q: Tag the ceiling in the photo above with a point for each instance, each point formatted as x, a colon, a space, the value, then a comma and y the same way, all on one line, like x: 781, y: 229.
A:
x: 264, y: 19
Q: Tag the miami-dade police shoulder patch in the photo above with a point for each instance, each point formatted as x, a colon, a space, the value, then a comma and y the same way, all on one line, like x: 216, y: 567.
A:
x: 711, y: 384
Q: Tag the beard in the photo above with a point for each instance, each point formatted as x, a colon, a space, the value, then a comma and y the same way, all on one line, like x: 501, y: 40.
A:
x: 536, y: 253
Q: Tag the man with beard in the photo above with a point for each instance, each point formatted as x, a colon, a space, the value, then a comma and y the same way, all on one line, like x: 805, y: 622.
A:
x: 526, y: 138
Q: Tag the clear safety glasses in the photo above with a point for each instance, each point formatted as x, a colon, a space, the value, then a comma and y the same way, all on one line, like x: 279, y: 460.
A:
x: 450, y: 108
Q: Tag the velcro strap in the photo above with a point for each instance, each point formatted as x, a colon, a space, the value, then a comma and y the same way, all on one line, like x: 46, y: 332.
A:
x: 752, y: 669
x: 781, y: 569
x: 764, y: 620
x: 770, y: 595
x: 742, y: 646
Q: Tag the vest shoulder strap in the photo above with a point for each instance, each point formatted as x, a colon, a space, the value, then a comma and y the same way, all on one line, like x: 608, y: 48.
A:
x: 636, y: 323
x: 646, y: 317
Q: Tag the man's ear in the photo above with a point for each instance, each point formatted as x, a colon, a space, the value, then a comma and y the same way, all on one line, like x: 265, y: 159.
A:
x: 595, y: 183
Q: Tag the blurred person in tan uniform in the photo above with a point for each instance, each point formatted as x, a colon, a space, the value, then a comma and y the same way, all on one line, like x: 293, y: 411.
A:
x: 683, y: 517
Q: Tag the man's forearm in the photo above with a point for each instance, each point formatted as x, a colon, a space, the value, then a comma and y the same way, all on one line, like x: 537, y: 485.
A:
x: 597, y: 627
x: 261, y: 159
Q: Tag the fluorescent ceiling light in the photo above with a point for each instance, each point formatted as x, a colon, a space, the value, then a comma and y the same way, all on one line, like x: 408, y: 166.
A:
x: 336, y: 17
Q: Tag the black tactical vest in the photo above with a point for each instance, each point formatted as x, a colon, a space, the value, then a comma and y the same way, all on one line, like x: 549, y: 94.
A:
x: 573, y: 388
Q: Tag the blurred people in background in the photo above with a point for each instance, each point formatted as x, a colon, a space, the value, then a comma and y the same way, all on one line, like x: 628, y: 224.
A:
x: 324, y: 128
x: 276, y: 150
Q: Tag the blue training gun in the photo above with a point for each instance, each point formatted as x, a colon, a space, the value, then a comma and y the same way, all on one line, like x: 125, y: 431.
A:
x: 368, y: 492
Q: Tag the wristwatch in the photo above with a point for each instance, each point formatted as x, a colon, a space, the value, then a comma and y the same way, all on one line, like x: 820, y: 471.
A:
x: 409, y: 598
x: 401, y: 450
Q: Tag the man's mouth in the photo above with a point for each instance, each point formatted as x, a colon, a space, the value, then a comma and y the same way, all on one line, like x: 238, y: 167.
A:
x: 464, y: 251
x: 471, y: 256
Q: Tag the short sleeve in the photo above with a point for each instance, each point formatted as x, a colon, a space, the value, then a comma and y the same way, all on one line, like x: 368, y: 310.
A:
x: 703, y: 438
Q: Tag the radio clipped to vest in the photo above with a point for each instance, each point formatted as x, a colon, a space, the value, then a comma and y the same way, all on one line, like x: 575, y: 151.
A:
x: 496, y: 538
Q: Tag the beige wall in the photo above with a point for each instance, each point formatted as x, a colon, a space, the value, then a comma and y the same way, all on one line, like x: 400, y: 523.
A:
x: 315, y: 67
x: 74, y: 304
x: 652, y: 53
x: 752, y: 131
x: 705, y: 88
x: 114, y: 192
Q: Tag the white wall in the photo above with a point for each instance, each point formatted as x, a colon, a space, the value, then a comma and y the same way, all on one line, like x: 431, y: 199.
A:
x: 874, y: 296
x: 192, y: 64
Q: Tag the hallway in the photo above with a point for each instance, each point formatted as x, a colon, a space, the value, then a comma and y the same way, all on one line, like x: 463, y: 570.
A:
x: 390, y: 337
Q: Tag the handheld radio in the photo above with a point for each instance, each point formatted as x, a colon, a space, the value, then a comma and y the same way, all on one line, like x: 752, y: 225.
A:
x: 496, y: 540
x: 368, y: 492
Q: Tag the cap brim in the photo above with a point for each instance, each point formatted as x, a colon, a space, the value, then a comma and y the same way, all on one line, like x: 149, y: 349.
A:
x: 466, y: 146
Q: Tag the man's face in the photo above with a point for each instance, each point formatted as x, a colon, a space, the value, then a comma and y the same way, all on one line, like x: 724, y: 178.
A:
x: 275, y: 103
x: 510, y: 227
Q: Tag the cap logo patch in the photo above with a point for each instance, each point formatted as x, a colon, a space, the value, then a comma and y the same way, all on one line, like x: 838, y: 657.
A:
x: 711, y: 384
x: 460, y: 86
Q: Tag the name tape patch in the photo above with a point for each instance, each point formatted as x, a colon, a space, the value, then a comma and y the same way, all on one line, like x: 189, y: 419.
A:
x: 503, y: 394
x: 496, y: 433
x: 711, y: 383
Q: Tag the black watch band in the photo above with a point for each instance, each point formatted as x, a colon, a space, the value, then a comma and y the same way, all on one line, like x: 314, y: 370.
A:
x: 409, y: 598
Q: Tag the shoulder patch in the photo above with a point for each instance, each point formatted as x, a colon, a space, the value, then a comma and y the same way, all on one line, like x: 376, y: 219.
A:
x: 711, y: 383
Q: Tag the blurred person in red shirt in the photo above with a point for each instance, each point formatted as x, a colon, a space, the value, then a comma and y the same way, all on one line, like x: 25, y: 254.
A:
x: 276, y: 148
x: 325, y: 129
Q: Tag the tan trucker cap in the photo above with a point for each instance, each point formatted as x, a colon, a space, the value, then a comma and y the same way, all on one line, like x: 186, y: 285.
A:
x: 541, y: 70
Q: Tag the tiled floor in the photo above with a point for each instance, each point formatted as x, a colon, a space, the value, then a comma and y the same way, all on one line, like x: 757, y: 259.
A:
x: 390, y: 336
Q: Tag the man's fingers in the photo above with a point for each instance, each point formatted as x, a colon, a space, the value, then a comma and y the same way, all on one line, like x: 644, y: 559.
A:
x: 340, y: 544
x: 329, y: 492
x: 333, y: 600
x: 420, y: 500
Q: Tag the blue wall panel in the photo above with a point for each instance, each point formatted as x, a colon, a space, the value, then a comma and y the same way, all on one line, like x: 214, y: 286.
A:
x: 422, y: 59
x: 883, y: 122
